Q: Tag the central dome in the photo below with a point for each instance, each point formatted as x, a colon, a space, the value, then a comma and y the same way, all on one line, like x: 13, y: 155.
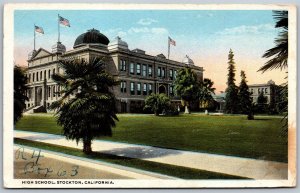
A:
x: 92, y: 36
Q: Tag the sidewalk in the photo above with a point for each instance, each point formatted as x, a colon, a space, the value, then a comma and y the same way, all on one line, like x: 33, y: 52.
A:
x: 244, y: 167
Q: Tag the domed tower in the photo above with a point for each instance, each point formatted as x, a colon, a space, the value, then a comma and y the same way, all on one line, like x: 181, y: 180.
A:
x: 58, y: 48
x: 118, y: 43
x: 91, y: 37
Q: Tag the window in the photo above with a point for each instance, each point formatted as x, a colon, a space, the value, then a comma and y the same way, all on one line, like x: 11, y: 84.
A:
x: 144, y: 70
x: 266, y: 90
x: 58, y: 91
x: 45, y: 74
x: 171, y: 74
x: 33, y: 77
x: 171, y: 90
x: 138, y: 69
x: 163, y: 72
x: 159, y: 71
x: 123, y: 86
x: 53, y: 91
x: 150, y: 71
x: 29, y: 77
x: 150, y: 88
x: 132, y: 88
x: 41, y: 76
x: 175, y: 74
x: 252, y: 90
x: 49, y: 74
x: 53, y: 71
x: 49, y: 91
x: 138, y: 85
x: 131, y: 68
x: 37, y: 76
x: 122, y: 65
x: 145, y: 89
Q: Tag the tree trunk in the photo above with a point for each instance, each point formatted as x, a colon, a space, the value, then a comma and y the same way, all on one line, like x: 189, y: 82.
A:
x: 187, y: 110
x: 87, y: 146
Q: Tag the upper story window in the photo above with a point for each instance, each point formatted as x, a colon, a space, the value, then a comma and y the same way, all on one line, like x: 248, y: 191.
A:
x: 49, y: 74
x: 251, y: 90
x: 150, y: 88
x: 150, y: 70
x: 29, y: 77
x: 132, y: 88
x: 144, y: 70
x: 145, y: 89
x: 131, y: 68
x: 266, y: 90
x: 53, y: 71
x: 175, y: 74
x: 159, y: 71
x: 138, y: 88
x: 138, y: 69
x: 37, y: 76
x: 33, y: 77
x: 163, y: 72
x: 122, y: 65
x: 41, y: 76
x: 45, y: 74
x: 171, y: 74
x: 123, y: 86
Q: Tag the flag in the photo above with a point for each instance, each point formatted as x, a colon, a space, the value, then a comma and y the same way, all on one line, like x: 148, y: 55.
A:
x: 172, y: 42
x: 39, y: 29
x: 64, y: 21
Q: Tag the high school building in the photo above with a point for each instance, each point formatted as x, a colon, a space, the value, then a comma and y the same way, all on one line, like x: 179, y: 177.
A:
x: 139, y: 74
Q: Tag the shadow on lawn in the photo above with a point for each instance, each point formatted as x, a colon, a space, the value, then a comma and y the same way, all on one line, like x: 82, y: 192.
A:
x: 141, y: 152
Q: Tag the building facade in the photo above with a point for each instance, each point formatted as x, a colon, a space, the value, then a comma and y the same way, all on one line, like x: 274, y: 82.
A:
x: 269, y: 91
x: 139, y: 74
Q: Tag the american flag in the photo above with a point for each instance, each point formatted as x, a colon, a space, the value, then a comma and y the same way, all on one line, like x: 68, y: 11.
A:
x: 64, y: 21
x: 172, y: 42
x: 39, y: 29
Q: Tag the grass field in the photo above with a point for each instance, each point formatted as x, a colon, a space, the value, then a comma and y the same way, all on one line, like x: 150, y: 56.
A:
x: 227, y: 135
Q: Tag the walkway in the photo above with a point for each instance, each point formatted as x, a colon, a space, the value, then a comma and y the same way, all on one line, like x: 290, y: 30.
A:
x: 244, y: 167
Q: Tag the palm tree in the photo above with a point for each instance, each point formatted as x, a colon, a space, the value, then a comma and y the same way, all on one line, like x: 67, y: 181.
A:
x: 205, y: 92
x: 186, y: 86
x: 92, y: 111
x: 280, y: 58
x: 20, y: 88
x: 280, y: 51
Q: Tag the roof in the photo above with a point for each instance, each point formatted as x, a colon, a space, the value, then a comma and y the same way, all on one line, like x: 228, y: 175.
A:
x: 92, y: 36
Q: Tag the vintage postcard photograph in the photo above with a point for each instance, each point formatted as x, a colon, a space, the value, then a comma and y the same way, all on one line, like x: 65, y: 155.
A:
x: 149, y: 96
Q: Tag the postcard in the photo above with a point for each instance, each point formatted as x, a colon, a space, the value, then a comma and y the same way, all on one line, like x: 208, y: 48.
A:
x: 149, y: 96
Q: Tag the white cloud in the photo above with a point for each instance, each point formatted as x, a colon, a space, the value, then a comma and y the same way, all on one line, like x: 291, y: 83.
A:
x: 244, y: 29
x: 154, y: 30
x: 147, y: 21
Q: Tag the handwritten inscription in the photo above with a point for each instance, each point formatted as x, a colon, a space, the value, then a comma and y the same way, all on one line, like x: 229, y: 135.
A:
x: 33, y: 164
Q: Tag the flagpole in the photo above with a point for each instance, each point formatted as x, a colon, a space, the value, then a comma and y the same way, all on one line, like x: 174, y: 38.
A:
x: 58, y: 27
x: 34, y: 37
x: 168, y: 47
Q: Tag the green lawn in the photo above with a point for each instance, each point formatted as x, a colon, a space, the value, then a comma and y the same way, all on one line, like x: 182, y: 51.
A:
x: 228, y: 135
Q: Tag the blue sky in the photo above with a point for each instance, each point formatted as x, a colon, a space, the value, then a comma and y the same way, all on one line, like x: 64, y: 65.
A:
x: 206, y: 36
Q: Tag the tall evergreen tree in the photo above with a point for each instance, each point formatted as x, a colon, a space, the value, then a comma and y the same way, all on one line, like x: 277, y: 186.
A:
x: 231, y: 98
x: 245, y: 101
